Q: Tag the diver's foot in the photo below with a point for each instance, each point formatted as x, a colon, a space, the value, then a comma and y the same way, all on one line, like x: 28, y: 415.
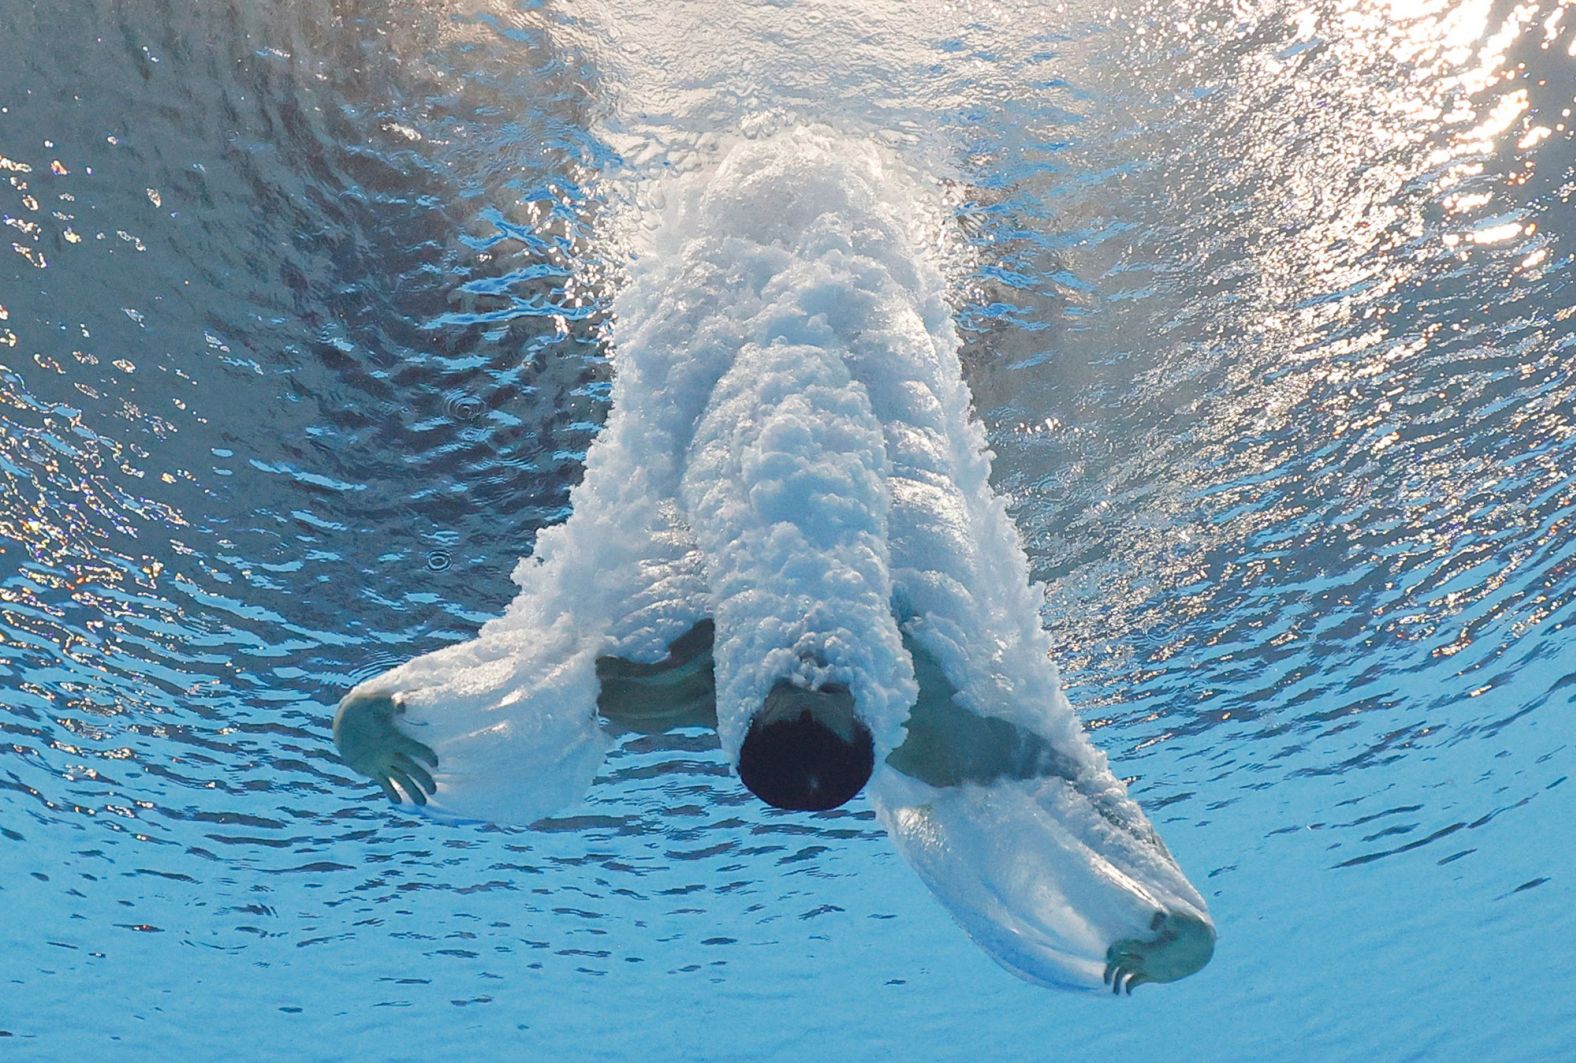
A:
x: 1182, y: 945
x: 369, y: 742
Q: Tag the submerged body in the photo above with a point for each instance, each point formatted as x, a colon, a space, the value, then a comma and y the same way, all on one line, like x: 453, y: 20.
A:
x: 786, y: 528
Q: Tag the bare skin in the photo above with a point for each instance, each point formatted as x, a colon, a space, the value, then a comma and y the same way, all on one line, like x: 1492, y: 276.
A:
x: 946, y: 746
x: 1182, y: 945
x: 369, y: 742
x: 645, y: 698
x: 678, y: 691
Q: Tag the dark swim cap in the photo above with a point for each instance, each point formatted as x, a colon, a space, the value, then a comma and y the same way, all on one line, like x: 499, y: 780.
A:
x: 805, y: 750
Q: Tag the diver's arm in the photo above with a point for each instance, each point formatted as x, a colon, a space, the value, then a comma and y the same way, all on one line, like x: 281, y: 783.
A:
x: 678, y: 691
x: 947, y: 745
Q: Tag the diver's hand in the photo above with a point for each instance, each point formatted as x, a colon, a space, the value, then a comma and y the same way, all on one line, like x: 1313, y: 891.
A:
x: 1183, y: 943
x: 369, y: 742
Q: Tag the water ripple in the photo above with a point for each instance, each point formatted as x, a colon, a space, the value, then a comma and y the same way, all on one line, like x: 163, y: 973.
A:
x: 1268, y: 313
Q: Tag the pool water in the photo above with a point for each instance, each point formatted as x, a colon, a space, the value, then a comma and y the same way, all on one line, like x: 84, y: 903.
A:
x: 1268, y: 311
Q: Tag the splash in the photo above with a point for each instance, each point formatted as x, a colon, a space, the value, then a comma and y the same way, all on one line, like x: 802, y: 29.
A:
x: 791, y: 462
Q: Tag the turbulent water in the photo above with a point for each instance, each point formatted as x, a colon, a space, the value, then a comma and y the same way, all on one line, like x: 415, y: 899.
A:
x: 1268, y: 312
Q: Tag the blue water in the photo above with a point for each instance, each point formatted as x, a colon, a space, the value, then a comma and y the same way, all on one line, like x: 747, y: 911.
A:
x: 1274, y: 330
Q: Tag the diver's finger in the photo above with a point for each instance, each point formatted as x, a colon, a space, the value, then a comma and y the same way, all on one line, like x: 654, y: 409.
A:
x: 388, y: 791
x: 416, y: 751
x: 416, y: 771
x: 411, y: 789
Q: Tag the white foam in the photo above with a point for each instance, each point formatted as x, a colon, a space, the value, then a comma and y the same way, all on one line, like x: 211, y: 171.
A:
x: 790, y: 450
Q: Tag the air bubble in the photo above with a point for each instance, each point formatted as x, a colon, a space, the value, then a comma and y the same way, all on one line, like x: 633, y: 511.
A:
x: 464, y: 407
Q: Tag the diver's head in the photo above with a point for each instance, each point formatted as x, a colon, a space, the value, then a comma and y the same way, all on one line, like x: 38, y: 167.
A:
x: 805, y: 750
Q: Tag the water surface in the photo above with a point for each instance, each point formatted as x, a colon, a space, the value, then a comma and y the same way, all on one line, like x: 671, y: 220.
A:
x: 1270, y: 316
